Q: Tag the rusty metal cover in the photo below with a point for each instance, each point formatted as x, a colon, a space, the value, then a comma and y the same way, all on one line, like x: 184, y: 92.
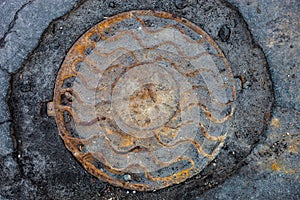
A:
x: 143, y: 100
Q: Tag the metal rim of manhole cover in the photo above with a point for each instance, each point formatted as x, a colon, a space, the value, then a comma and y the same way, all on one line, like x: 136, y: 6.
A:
x: 143, y: 100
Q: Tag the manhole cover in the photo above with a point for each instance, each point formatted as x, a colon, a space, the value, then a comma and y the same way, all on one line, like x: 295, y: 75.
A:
x: 143, y: 100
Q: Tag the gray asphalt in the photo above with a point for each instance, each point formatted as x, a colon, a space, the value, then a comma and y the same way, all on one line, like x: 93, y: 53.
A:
x: 271, y: 171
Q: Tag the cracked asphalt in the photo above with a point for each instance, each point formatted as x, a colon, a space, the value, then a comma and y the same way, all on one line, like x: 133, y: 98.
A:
x: 271, y: 171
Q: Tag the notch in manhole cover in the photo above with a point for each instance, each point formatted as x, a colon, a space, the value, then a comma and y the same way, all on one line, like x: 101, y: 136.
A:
x: 143, y: 100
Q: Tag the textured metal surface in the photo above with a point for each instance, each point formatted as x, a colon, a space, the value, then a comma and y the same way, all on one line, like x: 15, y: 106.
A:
x: 143, y: 100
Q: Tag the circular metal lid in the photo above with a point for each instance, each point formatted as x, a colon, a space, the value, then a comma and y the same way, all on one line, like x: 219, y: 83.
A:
x: 143, y: 100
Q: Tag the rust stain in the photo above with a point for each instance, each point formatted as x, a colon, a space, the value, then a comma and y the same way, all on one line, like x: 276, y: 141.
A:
x: 126, y: 142
x: 50, y: 109
x: 278, y: 166
x: 275, y: 167
x: 293, y: 148
x: 275, y: 122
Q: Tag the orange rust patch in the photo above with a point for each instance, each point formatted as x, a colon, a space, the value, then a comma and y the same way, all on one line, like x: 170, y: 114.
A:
x: 280, y: 167
x: 275, y: 122
x: 275, y: 167
x: 126, y: 142
x: 293, y: 148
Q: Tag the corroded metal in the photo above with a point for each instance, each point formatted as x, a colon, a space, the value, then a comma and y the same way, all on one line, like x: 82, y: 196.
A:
x: 143, y: 100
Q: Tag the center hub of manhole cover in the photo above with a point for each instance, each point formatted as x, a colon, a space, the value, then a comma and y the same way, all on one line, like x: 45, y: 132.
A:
x: 143, y: 100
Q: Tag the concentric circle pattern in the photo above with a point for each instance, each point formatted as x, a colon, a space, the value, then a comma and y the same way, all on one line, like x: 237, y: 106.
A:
x: 143, y: 100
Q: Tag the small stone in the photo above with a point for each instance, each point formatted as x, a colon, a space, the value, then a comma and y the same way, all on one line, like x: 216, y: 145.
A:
x: 112, y: 4
x: 26, y: 87
x: 224, y: 33
x: 127, y: 177
x: 180, y: 4
x: 239, y: 84
x: 247, y: 85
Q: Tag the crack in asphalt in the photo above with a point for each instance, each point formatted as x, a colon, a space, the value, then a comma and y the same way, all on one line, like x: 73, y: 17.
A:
x: 12, y: 23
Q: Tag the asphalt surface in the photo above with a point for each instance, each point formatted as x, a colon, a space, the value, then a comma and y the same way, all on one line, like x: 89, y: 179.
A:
x: 270, y: 171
